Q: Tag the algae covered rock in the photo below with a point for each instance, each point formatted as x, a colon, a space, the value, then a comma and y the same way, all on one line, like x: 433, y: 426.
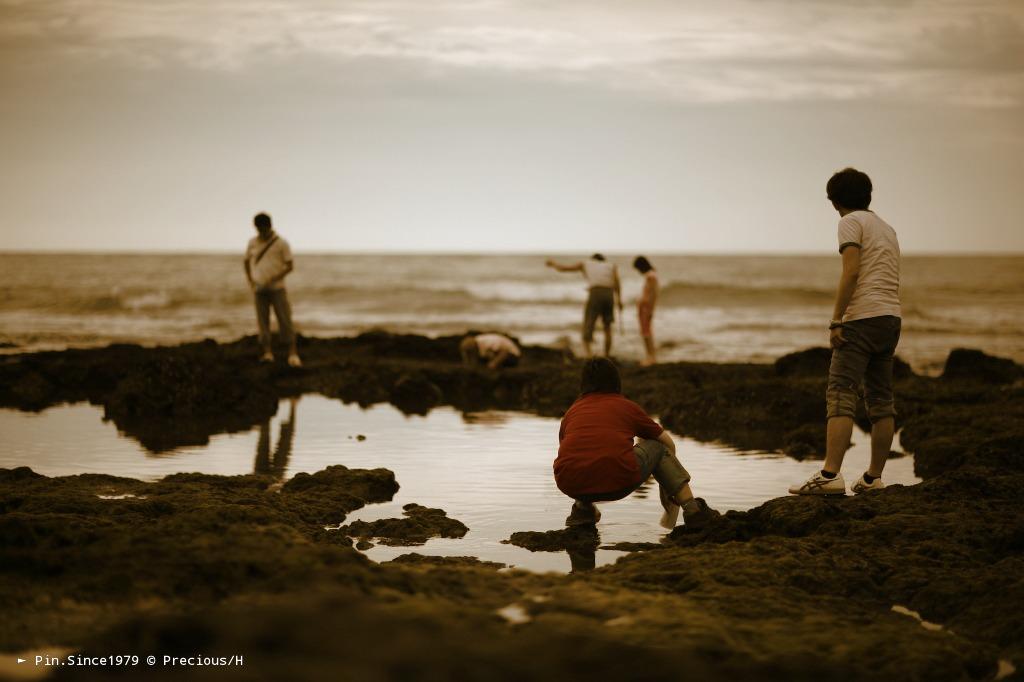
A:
x: 574, y: 538
x: 966, y: 364
x: 419, y: 525
x: 328, y: 495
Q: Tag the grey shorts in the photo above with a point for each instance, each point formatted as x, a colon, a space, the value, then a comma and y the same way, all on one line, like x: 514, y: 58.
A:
x: 278, y: 300
x: 652, y: 457
x: 864, y: 364
x: 600, y: 303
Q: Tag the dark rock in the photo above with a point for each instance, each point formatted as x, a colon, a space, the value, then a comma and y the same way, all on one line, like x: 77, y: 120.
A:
x: 32, y: 391
x: 573, y: 539
x: 965, y: 364
x: 364, y: 545
x: 420, y: 524
x: 446, y: 561
x: 812, y: 362
x: 328, y: 495
x: 634, y: 546
x: 807, y: 441
x: 173, y: 400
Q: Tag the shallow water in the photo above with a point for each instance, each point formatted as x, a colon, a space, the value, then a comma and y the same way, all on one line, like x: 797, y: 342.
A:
x: 490, y: 470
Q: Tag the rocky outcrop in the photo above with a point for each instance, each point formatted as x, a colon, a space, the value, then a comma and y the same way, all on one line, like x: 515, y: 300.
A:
x: 419, y: 525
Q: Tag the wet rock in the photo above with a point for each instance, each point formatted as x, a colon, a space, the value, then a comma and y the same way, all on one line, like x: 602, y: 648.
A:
x: 812, y: 362
x: 413, y: 559
x: 964, y: 364
x: 364, y: 545
x: 634, y: 546
x: 421, y: 524
x: 805, y: 442
x: 573, y: 539
x: 175, y: 401
x: 328, y: 495
x: 31, y: 391
x: 192, y: 538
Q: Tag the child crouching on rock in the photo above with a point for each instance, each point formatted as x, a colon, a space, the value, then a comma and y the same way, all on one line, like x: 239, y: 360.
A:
x: 598, y: 462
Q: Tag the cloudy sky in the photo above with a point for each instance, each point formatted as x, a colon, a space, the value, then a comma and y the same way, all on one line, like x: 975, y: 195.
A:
x: 524, y: 125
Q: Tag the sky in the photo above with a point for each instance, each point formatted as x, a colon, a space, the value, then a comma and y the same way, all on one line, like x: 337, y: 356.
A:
x: 560, y: 126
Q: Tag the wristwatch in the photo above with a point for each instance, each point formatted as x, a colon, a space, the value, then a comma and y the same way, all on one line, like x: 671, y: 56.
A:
x: 835, y: 323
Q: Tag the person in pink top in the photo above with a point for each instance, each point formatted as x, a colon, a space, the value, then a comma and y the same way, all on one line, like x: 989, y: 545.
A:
x: 645, y: 307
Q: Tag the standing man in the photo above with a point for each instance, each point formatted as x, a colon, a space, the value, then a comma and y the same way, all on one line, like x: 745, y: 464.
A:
x: 268, y: 260
x: 604, y: 294
x: 864, y: 331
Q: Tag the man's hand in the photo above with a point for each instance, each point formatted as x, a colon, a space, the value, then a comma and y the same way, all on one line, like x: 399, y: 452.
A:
x: 835, y: 337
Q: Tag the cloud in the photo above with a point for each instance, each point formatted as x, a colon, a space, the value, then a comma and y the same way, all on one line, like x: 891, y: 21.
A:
x: 727, y: 51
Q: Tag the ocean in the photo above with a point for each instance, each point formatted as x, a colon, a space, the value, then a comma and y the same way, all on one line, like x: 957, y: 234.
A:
x: 711, y: 308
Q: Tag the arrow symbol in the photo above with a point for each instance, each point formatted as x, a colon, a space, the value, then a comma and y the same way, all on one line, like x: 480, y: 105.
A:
x: 21, y: 660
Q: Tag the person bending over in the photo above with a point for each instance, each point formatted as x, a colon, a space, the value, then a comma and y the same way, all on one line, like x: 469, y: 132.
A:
x: 864, y: 331
x: 598, y: 461
x: 493, y: 350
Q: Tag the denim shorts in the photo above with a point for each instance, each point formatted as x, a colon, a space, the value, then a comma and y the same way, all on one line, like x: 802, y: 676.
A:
x: 864, y: 365
x: 652, y: 457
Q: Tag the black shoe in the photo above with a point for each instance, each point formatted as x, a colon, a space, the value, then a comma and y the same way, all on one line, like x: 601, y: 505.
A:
x: 583, y: 514
x: 700, y: 518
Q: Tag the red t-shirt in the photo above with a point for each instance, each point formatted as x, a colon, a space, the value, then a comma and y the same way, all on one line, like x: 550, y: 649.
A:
x: 595, y: 452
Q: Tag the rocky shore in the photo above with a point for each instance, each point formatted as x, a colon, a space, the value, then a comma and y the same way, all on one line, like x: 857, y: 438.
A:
x: 920, y: 582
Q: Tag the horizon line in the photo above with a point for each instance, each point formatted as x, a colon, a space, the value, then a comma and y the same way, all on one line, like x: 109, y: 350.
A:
x: 381, y: 252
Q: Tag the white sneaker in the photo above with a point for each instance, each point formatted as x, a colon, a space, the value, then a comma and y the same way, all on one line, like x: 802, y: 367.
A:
x: 294, y: 361
x: 819, y: 485
x: 862, y: 486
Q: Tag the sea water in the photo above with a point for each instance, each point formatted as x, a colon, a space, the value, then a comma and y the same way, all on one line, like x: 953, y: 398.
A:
x: 711, y: 308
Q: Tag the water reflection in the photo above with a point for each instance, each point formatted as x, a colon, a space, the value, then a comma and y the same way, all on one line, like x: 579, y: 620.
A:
x: 277, y: 464
x: 582, y: 560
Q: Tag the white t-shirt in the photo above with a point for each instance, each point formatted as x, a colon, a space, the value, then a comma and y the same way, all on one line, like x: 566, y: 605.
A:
x: 492, y: 344
x: 599, y: 273
x: 271, y: 264
x: 878, y: 283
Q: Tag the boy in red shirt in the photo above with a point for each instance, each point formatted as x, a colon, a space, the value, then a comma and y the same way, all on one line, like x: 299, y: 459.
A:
x: 598, y: 462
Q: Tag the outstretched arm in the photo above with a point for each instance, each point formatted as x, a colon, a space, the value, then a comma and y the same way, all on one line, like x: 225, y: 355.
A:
x: 564, y: 267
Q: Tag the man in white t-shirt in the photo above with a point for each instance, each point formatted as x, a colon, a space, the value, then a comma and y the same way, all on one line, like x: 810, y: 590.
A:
x: 603, y: 294
x: 268, y: 260
x: 493, y: 350
x: 864, y: 331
